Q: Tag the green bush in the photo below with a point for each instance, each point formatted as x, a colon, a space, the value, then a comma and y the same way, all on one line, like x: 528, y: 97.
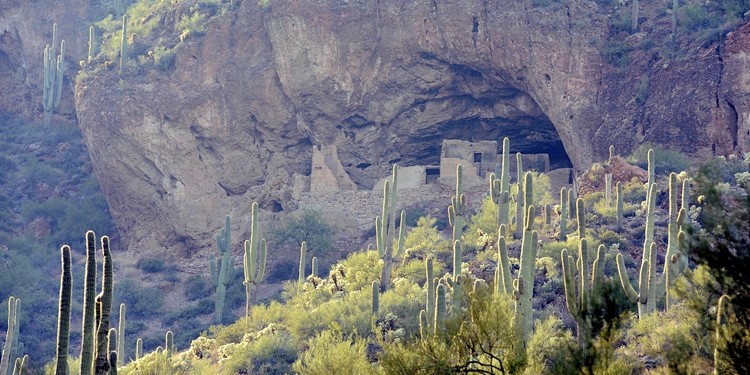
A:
x: 305, y: 225
x: 151, y: 265
x: 197, y: 287
x: 330, y: 352
x: 666, y: 160
x: 141, y: 301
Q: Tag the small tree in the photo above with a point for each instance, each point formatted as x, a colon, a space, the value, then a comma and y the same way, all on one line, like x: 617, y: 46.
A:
x: 304, y: 225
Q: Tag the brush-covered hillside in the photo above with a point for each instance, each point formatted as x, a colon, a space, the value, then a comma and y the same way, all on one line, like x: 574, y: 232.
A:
x: 606, y: 278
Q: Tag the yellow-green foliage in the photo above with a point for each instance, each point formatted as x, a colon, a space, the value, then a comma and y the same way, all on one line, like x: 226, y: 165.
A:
x: 425, y: 239
x: 194, y: 24
x: 330, y: 352
x: 155, y: 364
x: 482, y: 227
x: 414, y: 270
x: 673, y: 335
x: 549, y: 347
x: 268, y: 351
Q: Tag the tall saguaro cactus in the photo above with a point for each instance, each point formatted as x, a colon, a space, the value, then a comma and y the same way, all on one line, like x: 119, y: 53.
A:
x: 103, y: 309
x: 520, y: 204
x: 54, y: 69
x: 222, y: 271
x: 645, y: 296
x: 254, y: 260
x: 439, y: 318
x: 721, y: 311
x: 89, y: 306
x: 458, y: 207
x: 63, y: 318
x: 121, y: 337
x: 579, y: 305
x: 92, y: 43
x: 620, y: 208
x: 302, y: 263
x: 430, y: 286
x: 124, y: 44
x: 11, y: 336
x: 500, y: 187
x: 563, y: 214
x: 385, y: 229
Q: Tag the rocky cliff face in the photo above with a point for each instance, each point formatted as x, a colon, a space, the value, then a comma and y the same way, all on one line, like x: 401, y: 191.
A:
x: 234, y: 121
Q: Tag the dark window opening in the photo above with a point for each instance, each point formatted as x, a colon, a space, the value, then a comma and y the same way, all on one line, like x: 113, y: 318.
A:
x: 477, y: 157
x: 432, y: 174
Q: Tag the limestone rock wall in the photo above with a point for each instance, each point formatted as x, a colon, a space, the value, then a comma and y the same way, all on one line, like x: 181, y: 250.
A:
x: 384, y: 81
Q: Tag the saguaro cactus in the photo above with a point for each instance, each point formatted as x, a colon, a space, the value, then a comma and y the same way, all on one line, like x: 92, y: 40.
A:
x: 719, y: 365
x: 500, y: 186
x: 222, y: 271
x: 385, y: 229
x: 169, y: 343
x: 254, y: 259
x: 457, y: 295
x: 457, y: 255
x: 608, y: 190
x: 620, y: 213
x: 423, y: 325
x: 579, y: 305
x: 563, y: 214
x: 138, y: 348
x: 524, y: 285
x: 302, y: 262
x: 430, y: 286
x: 63, y: 318
x: 646, y: 294
x: 20, y: 367
x: 121, y: 337
x: 375, y: 297
x: 124, y: 44
x: 503, y: 281
x: 520, y: 204
x: 11, y: 336
x: 439, y: 318
x: 314, y: 267
x: 92, y: 43
x: 103, y: 308
x: 89, y: 306
x: 54, y: 70
x: 457, y: 207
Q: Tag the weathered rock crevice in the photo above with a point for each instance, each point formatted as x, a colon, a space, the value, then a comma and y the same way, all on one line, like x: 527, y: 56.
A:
x: 234, y: 120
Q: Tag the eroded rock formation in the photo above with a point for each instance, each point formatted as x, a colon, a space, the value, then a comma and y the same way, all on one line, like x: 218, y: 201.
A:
x: 236, y: 118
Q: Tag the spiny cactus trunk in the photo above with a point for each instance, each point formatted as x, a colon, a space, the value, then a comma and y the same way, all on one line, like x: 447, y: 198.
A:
x: 63, y: 318
x: 89, y: 306
x: 104, y: 307
x: 10, y: 335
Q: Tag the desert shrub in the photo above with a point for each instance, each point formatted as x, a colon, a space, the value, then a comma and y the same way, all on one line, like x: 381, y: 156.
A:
x: 425, y: 240
x: 203, y: 307
x: 164, y: 57
x: 305, y: 225
x: 549, y: 348
x: 330, y: 352
x: 151, y: 265
x: 197, y: 287
x: 141, y: 301
x: 270, y: 351
x: 414, y: 270
x: 666, y: 160
x: 283, y: 269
